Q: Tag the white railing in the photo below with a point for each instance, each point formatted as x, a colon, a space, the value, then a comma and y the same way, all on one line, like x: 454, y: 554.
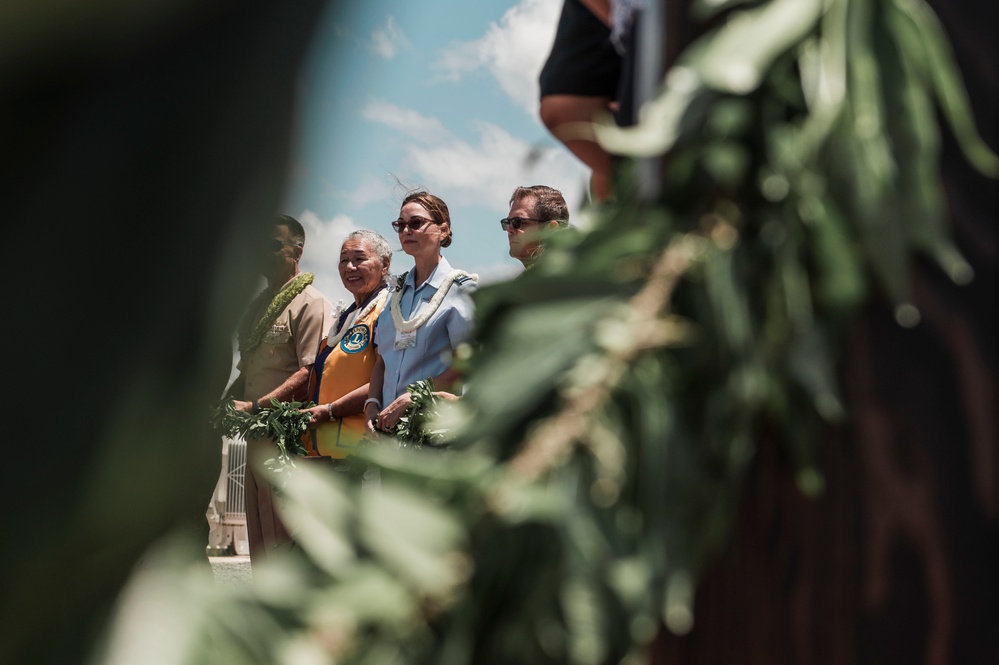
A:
x: 234, y: 497
x: 227, y: 511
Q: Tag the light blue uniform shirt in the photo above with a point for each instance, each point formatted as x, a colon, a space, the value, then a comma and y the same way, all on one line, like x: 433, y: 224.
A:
x: 436, y: 339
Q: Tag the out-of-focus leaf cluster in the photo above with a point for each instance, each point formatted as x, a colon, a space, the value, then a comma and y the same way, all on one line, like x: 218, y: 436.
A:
x: 619, y: 389
x: 371, y: 571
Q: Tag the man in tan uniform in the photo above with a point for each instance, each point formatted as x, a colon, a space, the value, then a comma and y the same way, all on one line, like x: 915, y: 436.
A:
x: 278, y: 339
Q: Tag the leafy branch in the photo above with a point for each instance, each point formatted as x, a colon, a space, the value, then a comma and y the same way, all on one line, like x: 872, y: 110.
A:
x: 283, y: 422
x: 417, y: 426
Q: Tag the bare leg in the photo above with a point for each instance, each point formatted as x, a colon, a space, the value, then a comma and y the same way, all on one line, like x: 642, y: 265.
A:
x: 568, y: 118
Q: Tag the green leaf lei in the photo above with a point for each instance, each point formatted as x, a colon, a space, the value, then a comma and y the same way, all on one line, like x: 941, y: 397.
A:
x: 249, y: 339
x: 284, y: 422
x: 414, y: 430
x: 415, y: 426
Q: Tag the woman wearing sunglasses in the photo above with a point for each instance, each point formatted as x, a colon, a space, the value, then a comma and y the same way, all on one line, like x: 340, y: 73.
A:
x: 428, y: 315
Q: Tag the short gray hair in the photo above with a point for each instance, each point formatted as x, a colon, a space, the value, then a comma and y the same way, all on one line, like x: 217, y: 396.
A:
x: 376, y: 243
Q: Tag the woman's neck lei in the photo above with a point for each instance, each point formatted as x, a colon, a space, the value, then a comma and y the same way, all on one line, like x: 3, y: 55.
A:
x: 356, y: 316
x: 249, y: 339
x: 405, y: 326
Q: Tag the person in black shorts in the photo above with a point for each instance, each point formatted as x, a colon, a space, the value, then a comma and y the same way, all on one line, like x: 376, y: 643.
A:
x: 583, y: 76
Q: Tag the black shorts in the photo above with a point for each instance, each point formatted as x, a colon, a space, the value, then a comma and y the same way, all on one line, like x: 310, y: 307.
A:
x: 583, y: 61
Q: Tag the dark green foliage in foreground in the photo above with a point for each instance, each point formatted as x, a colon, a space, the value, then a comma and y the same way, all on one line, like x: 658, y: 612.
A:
x: 619, y: 388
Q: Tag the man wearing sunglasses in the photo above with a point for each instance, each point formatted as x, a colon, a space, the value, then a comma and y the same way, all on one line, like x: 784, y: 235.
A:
x: 534, y: 211
x: 279, y: 338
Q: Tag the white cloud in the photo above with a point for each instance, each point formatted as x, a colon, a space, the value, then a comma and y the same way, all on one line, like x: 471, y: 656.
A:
x: 479, y: 173
x: 485, y: 172
x: 513, y: 51
x: 371, y: 189
x: 389, y: 39
x: 322, y: 252
x: 497, y: 272
x: 411, y: 123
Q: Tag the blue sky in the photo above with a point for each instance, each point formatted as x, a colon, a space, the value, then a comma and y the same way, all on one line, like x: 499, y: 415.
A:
x: 441, y: 95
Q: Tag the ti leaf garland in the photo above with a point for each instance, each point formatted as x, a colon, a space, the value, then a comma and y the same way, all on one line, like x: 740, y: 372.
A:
x: 417, y: 426
x: 284, y: 422
x: 250, y: 336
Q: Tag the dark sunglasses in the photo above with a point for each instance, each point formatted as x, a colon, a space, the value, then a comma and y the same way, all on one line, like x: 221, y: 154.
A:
x: 414, y: 224
x: 517, y: 222
x: 276, y: 245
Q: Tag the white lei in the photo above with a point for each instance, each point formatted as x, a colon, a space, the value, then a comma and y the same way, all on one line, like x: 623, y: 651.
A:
x: 357, y: 315
x: 405, y: 326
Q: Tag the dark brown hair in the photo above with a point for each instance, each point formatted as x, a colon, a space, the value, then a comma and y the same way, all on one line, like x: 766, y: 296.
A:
x: 549, y: 204
x: 435, y: 206
x: 296, y: 232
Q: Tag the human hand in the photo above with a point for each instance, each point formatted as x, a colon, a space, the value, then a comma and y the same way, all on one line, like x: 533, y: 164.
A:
x: 371, y: 410
x: 240, y: 405
x: 391, y: 414
x: 317, y: 415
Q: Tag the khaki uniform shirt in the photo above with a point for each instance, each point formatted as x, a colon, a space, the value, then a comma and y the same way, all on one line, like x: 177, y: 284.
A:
x: 291, y: 343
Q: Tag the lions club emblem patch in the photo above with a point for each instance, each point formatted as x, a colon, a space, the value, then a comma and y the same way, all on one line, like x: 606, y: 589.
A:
x: 356, y: 339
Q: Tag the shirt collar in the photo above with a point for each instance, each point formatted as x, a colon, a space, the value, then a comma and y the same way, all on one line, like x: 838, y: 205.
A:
x: 278, y: 289
x: 353, y: 306
x: 437, y: 277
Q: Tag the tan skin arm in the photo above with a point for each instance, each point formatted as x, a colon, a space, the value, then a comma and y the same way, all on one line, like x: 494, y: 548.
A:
x: 569, y: 119
x: 348, y: 405
x: 375, y: 390
x: 292, y: 386
x: 391, y: 414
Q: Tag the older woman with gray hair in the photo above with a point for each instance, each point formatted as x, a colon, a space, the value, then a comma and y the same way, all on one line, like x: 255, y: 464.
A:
x: 339, y: 380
